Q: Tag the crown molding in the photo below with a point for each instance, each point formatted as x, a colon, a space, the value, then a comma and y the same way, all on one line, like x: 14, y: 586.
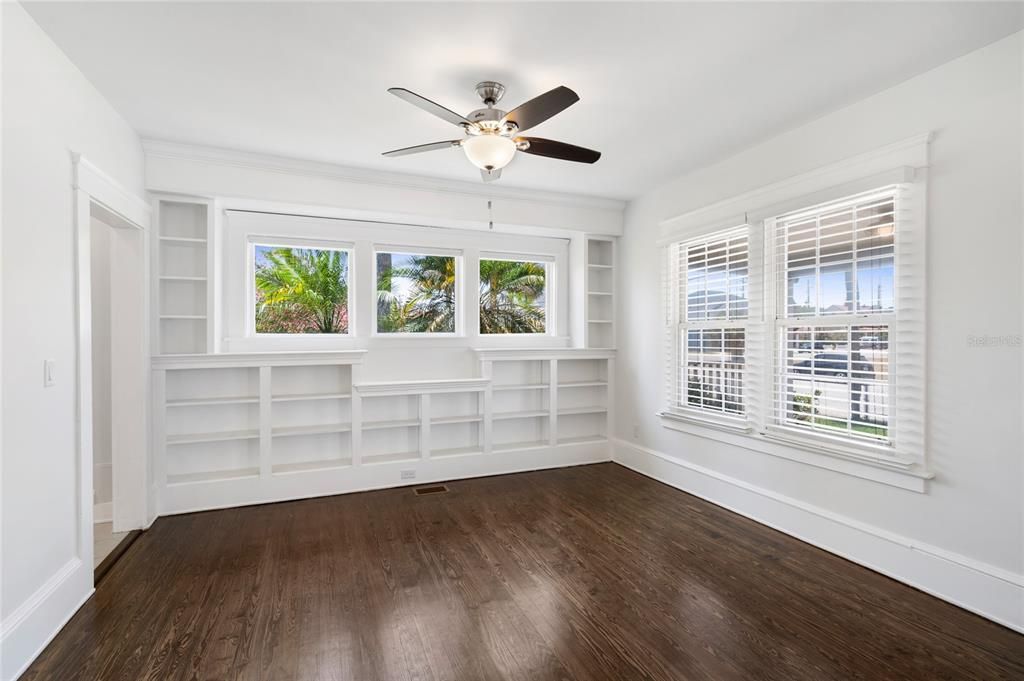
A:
x: 292, y: 166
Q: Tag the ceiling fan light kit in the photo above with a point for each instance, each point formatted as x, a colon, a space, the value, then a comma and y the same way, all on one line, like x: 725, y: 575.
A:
x: 491, y: 142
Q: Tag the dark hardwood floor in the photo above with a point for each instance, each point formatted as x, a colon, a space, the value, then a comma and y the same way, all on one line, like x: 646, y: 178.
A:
x: 584, y: 573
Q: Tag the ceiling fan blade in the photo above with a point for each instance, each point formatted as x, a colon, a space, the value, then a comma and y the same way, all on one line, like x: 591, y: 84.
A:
x: 541, y: 108
x: 429, y: 106
x: 490, y: 175
x: 560, y: 150
x: 421, y: 148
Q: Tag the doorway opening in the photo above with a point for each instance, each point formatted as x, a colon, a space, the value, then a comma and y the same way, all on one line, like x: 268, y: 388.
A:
x: 112, y: 244
x: 108, y: 544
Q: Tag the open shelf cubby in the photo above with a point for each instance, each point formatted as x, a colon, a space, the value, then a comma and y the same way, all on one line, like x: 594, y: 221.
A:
x: 181, y: 263
x: 599, y: 305
x: 209, y: 461
x: 310, y: 451
x: 311, y: 383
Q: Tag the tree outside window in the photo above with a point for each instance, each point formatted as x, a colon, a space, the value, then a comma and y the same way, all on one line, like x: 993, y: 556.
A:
x: 512, y: 296
x: 301, y: 290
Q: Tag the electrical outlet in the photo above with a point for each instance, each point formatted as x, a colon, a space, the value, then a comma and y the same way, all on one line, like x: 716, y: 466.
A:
x: 408, y: 474
x: 636, y: 431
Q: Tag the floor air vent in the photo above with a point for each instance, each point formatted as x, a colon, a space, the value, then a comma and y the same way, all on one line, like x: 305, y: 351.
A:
x: 433, y: 489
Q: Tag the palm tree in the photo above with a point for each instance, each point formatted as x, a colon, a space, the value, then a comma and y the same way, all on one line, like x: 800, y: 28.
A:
x: 302, y: 290
x: 430, y: 305
x: 511, y: 296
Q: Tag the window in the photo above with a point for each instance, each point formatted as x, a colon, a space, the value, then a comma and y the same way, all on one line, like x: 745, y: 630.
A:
x: 416, y: 292
x: 805, y: 327
x: 712, y: 308
x: 835, y: 267
x: 300, y: 290
x: 513, y: 296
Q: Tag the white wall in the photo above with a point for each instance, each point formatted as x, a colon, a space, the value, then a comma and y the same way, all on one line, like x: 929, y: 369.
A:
x: 365, y: 194
x: 102, y: 481
x: 49, y: 111
x: 972, y: 515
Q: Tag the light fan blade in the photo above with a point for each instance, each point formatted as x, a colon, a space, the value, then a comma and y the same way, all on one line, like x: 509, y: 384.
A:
x: 560, y: 150
x: 541, y: 108
x: 430, y: 107
x: 490, y: 175
x: 422, y: 147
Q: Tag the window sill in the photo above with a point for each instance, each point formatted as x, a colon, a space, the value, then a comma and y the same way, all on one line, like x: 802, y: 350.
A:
x: 725, y: 423
x: 781, y: 443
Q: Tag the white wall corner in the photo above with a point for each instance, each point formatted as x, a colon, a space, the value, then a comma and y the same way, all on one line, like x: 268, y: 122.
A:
x: 987, y: 590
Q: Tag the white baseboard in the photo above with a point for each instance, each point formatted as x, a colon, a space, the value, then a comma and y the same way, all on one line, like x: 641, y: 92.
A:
x: 103, y: 513
x: 30, y: 628
x: 987, y: 590
x: 214, y: 494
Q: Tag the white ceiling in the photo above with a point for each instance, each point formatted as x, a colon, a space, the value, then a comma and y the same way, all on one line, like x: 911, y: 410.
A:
x: 664, y: 88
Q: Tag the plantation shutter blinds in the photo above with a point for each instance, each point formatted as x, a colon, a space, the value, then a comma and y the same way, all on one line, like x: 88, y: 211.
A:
x: 707, y: 318
x: 838, y: 306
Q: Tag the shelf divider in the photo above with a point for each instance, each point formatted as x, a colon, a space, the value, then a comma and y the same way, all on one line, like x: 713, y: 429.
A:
x: 266, y: 424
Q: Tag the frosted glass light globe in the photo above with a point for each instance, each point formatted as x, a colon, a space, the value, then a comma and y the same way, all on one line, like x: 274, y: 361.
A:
x: 489, y: 152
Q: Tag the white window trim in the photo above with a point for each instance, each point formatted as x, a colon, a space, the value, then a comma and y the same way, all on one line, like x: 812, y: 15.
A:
x: 905, y: 163
x: 550, y: 287
x: 460, y: 273
x: 252, y: 241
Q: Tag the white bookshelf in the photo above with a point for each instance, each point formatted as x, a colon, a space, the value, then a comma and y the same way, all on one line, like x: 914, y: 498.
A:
x: 181, y: 257
x: 547, y: 398
x: 599, y: 283
x: 239, y: 428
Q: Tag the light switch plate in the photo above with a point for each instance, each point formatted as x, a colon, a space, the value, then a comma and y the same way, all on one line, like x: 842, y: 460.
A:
x: 49, y: 372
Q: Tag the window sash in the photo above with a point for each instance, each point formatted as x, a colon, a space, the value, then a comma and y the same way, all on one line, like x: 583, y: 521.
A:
x: 712, y: 379
x: 819, y: 387
x: 457, y: 311
x: 845, y: 403
x: 253, y: 244
x: 547, y: 263
x: 710, y: 383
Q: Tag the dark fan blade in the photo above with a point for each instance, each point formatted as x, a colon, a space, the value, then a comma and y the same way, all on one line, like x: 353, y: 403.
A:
x: 423, y: 147
x: 561, y: 150
x: 429, y: 106
x: 490, y: 176
x: 539, y: 109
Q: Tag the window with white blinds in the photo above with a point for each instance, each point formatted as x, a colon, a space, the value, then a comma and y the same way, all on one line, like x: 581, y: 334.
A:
x: 712, y: 309
x: 835, y: 311
x: 805, y: 326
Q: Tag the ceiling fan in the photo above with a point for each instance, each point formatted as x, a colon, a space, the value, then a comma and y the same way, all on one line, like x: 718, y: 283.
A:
x: 492, y: 135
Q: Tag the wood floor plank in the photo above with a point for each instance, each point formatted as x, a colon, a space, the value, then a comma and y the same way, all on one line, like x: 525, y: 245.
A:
x: 589, y: 573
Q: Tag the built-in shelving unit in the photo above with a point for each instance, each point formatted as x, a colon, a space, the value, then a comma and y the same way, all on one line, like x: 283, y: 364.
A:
x: 546, y: 398
x: 599, y: 283
x: 182, y: 298
x: 240, y: 428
